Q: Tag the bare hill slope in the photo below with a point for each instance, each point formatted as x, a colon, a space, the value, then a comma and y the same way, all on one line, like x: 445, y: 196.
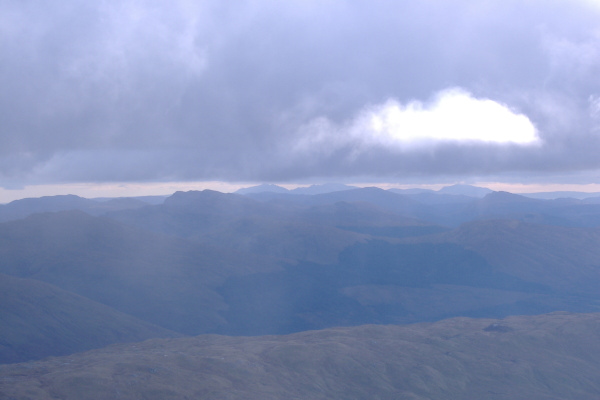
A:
x: 39, y: 320
x: 554, y: 356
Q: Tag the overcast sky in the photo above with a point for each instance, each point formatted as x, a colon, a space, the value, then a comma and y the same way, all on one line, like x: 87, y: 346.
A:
x: 299, y: 91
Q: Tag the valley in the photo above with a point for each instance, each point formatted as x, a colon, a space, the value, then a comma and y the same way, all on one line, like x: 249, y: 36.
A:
x: 306, y: 266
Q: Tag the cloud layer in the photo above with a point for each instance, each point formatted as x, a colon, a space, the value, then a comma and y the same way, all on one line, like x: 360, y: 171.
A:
x: 143, y: 90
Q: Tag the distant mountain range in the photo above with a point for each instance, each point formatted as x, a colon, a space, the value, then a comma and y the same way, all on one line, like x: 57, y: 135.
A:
x: 467, y: 190
x: 79, y: 274
x: 446, y: 200
x: 563, y: 195
x: 24, y: 207
x: 457, y: 189
x: 310, y: 190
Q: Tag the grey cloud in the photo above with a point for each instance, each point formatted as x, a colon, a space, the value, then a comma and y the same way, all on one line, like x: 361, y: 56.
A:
x: 186, y: 90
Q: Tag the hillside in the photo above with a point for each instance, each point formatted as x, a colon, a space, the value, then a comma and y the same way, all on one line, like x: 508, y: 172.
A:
x: 163, y: 280
x: 566, y: 259
x: 40, y: 320
x: 278, y: 228
x: 219, y: 280
x: 282, y: 239
x: 546, y: 357
x: 209, y: 262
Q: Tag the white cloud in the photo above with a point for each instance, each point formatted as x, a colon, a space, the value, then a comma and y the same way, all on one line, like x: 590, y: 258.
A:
x: 454, y: 116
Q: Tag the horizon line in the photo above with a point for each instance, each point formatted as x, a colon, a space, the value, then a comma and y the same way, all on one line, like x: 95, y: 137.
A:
x: 139, y: 189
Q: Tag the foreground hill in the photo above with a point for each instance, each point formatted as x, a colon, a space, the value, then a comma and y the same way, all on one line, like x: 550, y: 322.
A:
x: 40, y: 320
x: 555, y: 356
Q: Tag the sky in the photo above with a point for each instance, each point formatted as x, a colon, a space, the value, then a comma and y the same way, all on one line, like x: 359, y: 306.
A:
x: 136, y: 96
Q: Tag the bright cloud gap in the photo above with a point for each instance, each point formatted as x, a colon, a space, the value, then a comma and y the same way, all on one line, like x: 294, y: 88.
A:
x: 452, y: 116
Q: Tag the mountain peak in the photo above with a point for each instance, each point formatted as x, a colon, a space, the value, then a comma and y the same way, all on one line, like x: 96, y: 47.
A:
x: 507, y: 197
x: 266, y: 187
x: 323, y: 188
x: 466, y: 190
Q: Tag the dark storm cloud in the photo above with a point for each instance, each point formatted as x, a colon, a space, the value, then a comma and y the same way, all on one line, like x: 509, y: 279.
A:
x: 198, y: 90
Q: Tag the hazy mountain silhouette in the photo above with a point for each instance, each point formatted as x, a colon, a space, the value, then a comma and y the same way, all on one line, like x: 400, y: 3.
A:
x: 343, y: 214
x: 504, y: 205
x: 465, y: 190
x: 435, y: 198
x: 382, y: 198
x: 411, y: 191
x: 380, y: 282
x: 164, y: 280
x: 283, y: 239
x: 187, y: 214
x: 241, y: 223
x: 22, y: 208
x: 323, y: 188
x: 41, y: 320
x: 262, y: 188
x: 279, y: 228
x: 561, y: 194
x: 591, y: 200
x: 452, y: 209
x: 386, y: 200
x: 567, y: 259
x: 209, y: 262
x: 309, y: 190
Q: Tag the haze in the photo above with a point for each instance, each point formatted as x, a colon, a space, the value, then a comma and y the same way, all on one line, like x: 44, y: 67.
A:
x: 300, y: 199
